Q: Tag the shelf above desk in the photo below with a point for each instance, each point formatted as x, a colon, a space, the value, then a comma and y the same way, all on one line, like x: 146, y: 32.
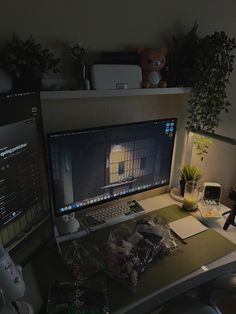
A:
x: 77, y: 94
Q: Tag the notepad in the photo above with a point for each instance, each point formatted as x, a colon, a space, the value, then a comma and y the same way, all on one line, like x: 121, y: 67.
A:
x: 187, y: 227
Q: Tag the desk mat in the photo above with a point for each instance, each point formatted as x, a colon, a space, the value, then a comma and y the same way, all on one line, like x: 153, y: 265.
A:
x: 201, y: 249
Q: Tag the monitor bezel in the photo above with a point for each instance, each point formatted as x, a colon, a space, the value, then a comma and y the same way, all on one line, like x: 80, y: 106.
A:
x: 99, y: 203
x: 24, y: 232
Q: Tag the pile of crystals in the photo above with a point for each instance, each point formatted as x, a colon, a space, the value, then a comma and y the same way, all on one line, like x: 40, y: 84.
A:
x: 129, y: 250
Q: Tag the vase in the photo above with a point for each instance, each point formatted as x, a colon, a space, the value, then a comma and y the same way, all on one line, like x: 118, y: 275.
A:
x: 191, y: 195
x: 28, y: 81
x: 80, y: 72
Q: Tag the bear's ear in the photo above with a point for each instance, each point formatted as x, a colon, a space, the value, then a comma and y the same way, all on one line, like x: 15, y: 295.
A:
x: 164, y: 50
x: 140, y: 50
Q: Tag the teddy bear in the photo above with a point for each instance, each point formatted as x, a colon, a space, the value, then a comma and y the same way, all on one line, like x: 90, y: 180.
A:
x: 151, y: 63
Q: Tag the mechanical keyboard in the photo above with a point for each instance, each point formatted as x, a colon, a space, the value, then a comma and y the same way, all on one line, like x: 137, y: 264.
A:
x: 107, y: 216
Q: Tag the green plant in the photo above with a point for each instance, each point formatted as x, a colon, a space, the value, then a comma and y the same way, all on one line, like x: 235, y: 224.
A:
x: 27, y: 58
x: 79, y: 52
x: 212, y: 68
x: 205, y: 64
x: 190, y: 173
x: 202, y: 144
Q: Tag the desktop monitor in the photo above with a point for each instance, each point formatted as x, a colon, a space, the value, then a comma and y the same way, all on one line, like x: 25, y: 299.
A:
x: 23, y: 178
x: 92, y: 166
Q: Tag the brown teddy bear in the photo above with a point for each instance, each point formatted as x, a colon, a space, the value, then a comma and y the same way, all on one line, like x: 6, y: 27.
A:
x: 152, y: 62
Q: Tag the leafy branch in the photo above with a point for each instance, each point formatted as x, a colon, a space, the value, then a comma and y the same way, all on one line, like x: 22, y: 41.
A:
x: 21, y: 56
x: 212, y: 68
x: 205, y: 64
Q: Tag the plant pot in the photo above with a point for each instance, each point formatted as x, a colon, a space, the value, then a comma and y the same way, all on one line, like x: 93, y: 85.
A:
x: 28, y: 81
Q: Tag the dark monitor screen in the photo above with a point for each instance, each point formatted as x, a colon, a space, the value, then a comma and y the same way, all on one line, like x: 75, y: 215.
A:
x: 23, y: 180
x: 92, y: 166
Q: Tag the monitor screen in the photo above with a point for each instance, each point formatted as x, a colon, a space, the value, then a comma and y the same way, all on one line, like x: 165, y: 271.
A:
x: 23, y: 179
x: 92, y: 166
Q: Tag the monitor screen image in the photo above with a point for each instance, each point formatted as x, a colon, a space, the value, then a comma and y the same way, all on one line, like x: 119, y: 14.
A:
x: 23, y: 180
x: 92, y: 166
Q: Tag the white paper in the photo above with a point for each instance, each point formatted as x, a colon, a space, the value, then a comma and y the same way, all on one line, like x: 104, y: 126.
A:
x: 187, y: 227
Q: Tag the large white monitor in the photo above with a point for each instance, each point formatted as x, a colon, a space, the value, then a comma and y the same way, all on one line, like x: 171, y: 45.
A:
x: 93, y: 166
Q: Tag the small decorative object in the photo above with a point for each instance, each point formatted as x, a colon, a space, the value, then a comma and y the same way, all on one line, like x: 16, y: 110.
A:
x: 191, y: 195
x: 27, y: 61
x: 212, y: 193
x: 152, y: 62
x: 79, y: 54
x: 189, y: 173
x: 67, y: 224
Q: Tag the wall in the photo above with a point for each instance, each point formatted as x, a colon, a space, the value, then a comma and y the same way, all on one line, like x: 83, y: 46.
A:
x: 109, y: 25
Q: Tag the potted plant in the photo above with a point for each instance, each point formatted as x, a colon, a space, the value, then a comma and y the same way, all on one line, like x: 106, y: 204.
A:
x: 212, y: 68
x: 189, y: 173
x: 27, y: 61
x: 205, y: 63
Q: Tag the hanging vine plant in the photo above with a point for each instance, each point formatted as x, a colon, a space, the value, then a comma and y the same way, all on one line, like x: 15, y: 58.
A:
x: 206, y: 64
x: 212, y: 69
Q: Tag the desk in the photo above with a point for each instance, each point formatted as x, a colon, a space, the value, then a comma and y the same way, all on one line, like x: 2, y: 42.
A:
x: 145, y: 304
x: 219, y: 267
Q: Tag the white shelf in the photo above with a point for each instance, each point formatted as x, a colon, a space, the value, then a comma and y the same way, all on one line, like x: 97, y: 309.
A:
x: 75, y: 94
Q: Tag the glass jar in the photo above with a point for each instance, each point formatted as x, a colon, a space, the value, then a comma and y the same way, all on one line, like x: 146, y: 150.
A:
x: 191, y: 195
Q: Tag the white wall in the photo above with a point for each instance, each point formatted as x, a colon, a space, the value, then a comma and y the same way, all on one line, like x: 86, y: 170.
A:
x: 109, y: 25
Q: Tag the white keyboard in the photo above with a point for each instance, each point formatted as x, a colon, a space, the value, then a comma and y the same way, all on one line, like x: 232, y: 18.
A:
x: 107, y: 216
